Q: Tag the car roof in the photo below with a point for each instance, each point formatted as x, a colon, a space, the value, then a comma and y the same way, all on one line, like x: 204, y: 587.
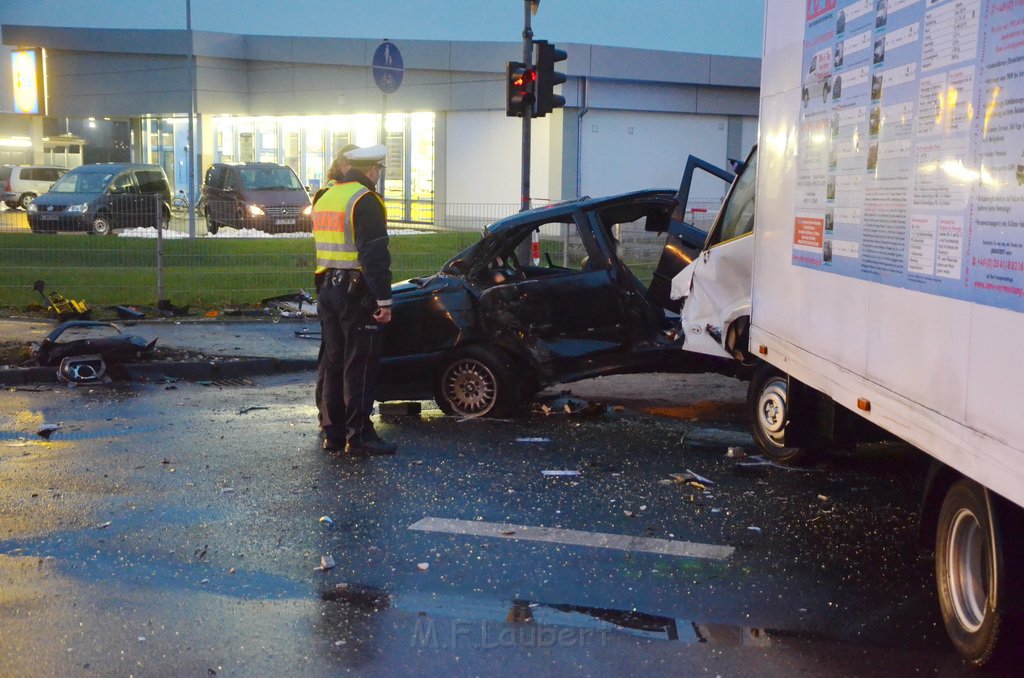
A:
x: 563, y: 211
x: 115, y: 167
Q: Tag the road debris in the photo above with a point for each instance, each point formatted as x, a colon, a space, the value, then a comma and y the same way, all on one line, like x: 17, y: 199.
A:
x: 554, y: 473
x: 400, y: 409
x: 692, y: 479
x: 105, y: 525
x: 297, y: 305
x: 758, y: 461
x: 736, y: 453
x: 533, y: 440
x: 46, y: 430
x: 252, y: 408
x: 326, y: 563
x: 423, y: 567
x: 326, y: 520
x: 64, y: 309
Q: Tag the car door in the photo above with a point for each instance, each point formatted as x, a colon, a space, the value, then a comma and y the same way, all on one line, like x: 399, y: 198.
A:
x: 123, y: 201
x: 716, y: 287
x: 563, y: 314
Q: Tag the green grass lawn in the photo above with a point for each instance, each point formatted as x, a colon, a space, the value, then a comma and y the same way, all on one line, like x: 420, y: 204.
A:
x: 206, y: 273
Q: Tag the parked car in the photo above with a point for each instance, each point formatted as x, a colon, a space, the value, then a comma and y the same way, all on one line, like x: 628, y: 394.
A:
x: 259, y: 195
x: 102, y: 197
x: 21, y: 184
x: 489, y: 330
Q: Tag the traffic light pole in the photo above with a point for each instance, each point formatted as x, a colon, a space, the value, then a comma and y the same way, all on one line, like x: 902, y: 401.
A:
x: 523, y: 253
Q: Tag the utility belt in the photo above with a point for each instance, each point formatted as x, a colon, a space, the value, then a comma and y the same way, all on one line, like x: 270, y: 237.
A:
x: 352, y: 281
x: 349, y: 278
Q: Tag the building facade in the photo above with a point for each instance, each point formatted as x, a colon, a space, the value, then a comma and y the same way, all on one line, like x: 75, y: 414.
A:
x: 631, y: 116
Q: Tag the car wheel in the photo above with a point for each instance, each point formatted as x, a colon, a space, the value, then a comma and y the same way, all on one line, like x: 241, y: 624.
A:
x: 969, y: 568
x: 26, y: 199
x: 768, y: 415
x: 477, y: 381
x: 101, y: 226
x: 211, y: 226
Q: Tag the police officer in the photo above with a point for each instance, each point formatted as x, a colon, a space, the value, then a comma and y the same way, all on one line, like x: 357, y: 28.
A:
x: 339, y: 168
x: 354, y: 304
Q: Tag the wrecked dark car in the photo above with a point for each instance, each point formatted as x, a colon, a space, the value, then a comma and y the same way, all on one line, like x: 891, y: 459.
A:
x: 490, y: 329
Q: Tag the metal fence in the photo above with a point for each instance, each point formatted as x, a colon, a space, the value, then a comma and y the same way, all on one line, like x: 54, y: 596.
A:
x: 233, y: 264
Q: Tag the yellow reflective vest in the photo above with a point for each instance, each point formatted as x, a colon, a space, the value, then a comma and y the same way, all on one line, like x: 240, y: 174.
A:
x: 332, y: 226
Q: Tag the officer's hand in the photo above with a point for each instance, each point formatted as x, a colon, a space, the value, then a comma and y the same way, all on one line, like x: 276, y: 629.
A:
x: 382, y: 315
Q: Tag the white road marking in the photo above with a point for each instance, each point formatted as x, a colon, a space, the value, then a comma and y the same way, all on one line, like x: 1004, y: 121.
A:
x: 555, y: 535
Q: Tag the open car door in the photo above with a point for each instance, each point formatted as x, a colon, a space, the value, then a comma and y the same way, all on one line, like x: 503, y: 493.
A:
x: 715, y: 288
x: 684, y: 241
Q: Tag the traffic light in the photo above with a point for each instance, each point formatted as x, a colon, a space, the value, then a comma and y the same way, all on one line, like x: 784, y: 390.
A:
x: 520, y: 82
x: 547, y: 77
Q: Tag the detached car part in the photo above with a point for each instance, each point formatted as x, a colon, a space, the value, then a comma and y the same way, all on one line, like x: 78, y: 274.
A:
x: 111, y: 349
x: 83, y: 369
x: 64, y: 309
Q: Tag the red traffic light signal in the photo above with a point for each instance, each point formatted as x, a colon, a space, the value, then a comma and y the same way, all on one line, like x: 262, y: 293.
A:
x: 520, y: 85
x: 547, y: 56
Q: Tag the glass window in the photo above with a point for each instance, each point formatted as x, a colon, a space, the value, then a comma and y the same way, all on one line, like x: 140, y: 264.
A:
x: 150, y: 181
x: 122, y: 184
x: 738, y: 218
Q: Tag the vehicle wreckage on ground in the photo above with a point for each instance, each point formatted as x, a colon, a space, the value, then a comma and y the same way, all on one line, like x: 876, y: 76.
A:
x: 489, y: 330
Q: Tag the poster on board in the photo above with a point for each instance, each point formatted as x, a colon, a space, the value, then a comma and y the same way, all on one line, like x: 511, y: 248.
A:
x: 911, y: 138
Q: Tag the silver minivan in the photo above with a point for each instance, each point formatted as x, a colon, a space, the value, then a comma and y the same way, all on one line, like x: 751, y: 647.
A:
x: 22, y: 184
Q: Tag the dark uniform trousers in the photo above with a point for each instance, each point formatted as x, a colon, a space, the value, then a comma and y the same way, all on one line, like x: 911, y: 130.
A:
x: 352, y: 342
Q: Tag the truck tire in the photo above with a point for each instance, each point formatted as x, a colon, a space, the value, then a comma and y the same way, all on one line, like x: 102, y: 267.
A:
x: 477, y: 381
x: 969, y: 570
x: 768, y: 415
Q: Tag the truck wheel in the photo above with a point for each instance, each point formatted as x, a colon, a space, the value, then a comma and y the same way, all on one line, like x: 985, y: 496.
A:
x: 101, y: 226
x: 477, y: 381
x: 768, y: 415
x: 968, y: 571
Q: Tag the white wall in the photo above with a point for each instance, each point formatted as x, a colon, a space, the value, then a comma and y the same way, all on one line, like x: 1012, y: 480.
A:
x: 625, y: 151
x: 484, y: 157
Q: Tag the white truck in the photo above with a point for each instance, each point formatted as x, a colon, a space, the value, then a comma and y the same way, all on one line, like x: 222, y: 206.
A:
x: 882, y: 288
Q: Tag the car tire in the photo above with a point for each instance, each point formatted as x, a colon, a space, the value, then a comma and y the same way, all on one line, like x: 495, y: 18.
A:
x: 477, y: 381
x: 768, y: 415
x: 969, y: 569
x: 211, y: 226
x: 25, y: 200
x: 101, y: 226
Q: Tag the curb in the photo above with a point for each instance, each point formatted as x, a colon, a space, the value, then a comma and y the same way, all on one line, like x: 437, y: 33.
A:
x: 187, y: 371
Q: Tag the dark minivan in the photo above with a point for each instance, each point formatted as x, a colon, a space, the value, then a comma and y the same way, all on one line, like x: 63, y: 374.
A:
x: 260, y: 195
x: 102, y: 197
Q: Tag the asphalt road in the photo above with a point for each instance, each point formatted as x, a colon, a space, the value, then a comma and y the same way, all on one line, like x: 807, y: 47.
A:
x: 180, y: 530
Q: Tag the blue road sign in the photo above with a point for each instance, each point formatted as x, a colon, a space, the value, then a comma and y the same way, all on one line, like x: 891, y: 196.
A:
x: 387, y: 67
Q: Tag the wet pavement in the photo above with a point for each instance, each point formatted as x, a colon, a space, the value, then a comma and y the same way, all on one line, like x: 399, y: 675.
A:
x: 180, y: 530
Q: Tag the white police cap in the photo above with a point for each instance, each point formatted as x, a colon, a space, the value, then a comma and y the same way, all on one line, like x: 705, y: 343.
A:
x: 371, y: 155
